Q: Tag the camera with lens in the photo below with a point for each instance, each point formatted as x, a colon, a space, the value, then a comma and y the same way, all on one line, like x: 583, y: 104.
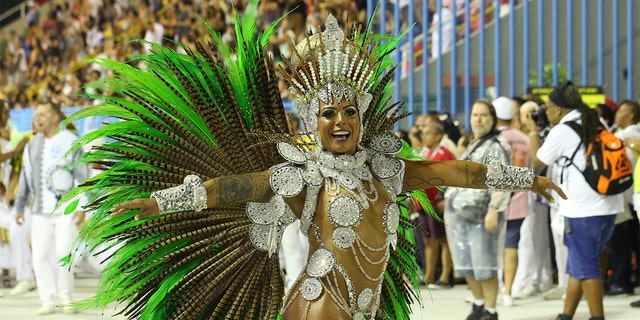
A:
x: 540, y: 117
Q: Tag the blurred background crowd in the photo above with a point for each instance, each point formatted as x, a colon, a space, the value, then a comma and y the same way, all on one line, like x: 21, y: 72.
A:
x: 48, y: 59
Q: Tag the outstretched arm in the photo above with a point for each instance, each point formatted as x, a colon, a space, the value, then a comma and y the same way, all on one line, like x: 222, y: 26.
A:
x: 460, y: 173
x: 454, y: 173
x: 220, y: 191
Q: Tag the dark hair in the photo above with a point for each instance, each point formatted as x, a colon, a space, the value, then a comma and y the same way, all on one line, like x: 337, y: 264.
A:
x: 567, y: 96
x: 519, y: 100
x: 533, y: 97
x: 492, y: 111
x: 634, y: 110
x: 450, y: 124
x: 298, y: 7
x: 606, y: 113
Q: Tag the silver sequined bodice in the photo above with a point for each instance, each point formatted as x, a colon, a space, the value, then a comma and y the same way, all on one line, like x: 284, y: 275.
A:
x: 354, y: 188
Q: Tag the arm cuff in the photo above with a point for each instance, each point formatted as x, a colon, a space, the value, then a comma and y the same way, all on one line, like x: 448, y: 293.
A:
x: 507, y: 178
x: 191, y: 195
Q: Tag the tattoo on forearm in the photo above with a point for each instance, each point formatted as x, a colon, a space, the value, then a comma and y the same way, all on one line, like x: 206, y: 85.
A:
x: 466, y: 174
x: 419, y: 183
x: 478, y: 176
x: 235, y: 189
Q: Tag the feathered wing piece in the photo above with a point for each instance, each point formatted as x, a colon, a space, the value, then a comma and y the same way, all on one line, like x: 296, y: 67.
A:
x: 181, y: 115
x: 208, y: 114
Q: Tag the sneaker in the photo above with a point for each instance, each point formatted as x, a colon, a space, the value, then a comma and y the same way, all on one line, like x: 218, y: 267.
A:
x: 526, y: 292
x: 68, y: 307
x: 46, y: 309
x: 486, y: 315
x: 439, y: 285
x: 617, y: 291
x: 562, y: 316
x: 507, y: 300
x: 476, y: 312
x: 555, y: 293
x: 635, y: 304
x: 23, y: 287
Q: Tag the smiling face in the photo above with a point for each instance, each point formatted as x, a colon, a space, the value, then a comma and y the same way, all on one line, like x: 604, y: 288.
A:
x: 46, y: 119
x: 339, y: 126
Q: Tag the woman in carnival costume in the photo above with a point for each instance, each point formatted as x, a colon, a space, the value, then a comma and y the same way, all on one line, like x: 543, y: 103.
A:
x: 204, y: 175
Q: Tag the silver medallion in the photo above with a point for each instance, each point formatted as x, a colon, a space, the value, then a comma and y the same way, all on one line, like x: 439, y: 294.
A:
x: 266, y: 213
x: 263, y: 237
x: 311, y: 289
x: 286, y: 181
x: 344, y: 237
x: 345, y: 211
x: 287, y: 217
x: 391, y: 217
x: 386, y: 143
x: 384, y: 167
x: 291, y: 153
x: 320, y: 263
x: 311, y: 174
x: 365, y: 298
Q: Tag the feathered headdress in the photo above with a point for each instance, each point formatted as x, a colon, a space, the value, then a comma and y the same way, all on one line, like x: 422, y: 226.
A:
x: 329, y: 66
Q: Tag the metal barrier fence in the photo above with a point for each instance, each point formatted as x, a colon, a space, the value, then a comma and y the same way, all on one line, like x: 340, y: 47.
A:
x: 501, y: 48
x: 12, y: 10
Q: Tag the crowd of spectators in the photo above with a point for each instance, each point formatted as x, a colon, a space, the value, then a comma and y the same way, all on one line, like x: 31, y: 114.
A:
x: 50, y: 59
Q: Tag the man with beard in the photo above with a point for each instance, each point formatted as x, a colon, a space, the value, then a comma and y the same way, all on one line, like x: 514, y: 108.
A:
x: 475, y: 219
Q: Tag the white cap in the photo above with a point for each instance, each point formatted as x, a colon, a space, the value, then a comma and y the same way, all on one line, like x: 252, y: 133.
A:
x: 504, y: 108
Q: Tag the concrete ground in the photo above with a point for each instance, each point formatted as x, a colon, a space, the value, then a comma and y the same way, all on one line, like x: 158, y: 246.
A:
x: 437, y: 304
x: 450, y: 304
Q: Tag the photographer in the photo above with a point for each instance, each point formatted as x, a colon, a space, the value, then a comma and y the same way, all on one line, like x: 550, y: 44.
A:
x: 588, y: 215
x: 534, y: 268
x: 536, y: 124
x: 534, y: 120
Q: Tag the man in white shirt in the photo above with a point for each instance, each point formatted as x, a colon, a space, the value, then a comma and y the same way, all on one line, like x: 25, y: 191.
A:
x: 45, y: 177
x: 588, y: 216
